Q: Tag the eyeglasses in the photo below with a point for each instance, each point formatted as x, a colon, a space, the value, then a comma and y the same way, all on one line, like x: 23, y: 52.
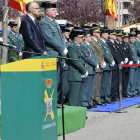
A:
x: 37, y: 8
x: 81, y: 37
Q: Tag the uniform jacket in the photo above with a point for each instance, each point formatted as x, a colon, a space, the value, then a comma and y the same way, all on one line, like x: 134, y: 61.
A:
x: 54, y: 40
x: 15, y: 40
x: 107, y: 55
x: 66, y: 62
x: 32, y: 38
x: 127, y: 53
x: 134, y: 52
x: 115, y: 54
x: 76, y: 68
x: 90, y: 56
x: 99, y: 53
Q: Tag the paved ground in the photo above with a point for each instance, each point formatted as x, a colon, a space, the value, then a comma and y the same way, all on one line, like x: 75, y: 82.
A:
x: 109, y: 126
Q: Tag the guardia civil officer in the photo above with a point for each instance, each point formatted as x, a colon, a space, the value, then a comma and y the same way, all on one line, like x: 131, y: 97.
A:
x: 77, y: 71
x: 95, y: 36
x: 69, y: 26
x: 107, y: 71
x: 125, y: 47
x: 132, y: 83
x: 14, y: 39
x: 114, y: 95
x: 65, y: 83
x: 137, y: 44
x: 92, y: 65
x: 52, y: 35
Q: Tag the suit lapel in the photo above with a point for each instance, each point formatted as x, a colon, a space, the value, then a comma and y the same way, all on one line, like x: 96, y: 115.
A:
x: 32, y: 23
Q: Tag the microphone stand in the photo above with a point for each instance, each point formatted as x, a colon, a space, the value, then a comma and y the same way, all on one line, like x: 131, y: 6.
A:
x: 61, y: 71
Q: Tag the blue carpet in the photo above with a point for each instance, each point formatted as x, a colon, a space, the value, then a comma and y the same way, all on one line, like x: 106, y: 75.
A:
x: 116, y: 106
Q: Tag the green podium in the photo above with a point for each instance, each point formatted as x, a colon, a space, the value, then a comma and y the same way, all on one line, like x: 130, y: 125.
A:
x: 29, y: 99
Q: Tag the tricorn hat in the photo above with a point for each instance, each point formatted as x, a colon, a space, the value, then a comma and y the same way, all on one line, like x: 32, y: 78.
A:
x: 48, y: 5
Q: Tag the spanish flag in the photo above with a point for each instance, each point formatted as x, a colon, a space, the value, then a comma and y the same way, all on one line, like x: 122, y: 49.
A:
x: 19, y: 5
x: 110, y: 9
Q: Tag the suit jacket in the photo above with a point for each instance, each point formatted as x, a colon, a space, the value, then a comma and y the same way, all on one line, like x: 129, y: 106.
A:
x: 107, y: 55
x: 90, y: 56
x: 115, y: 53
x: 54, y: 40
x: 99, y: 53
x: 32, y: 38
x: 76, y: 68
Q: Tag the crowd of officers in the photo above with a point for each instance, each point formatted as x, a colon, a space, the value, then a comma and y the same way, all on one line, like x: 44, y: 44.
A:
x: 94, y: 79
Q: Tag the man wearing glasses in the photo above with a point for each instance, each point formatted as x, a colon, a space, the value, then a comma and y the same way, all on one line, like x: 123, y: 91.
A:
x: 77, y: 69
x: 31, y: 32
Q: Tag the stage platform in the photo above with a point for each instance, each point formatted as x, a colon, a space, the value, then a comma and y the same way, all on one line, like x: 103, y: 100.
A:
x: 116, y: 106
x: 75, y: 118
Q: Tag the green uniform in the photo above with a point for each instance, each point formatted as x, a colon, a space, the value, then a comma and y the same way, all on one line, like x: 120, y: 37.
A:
x: 65, y: 83
x: 105, y: 89
x: 137, y: 43
x: 16, y: 40
x: 76, y: 69
x: 54, y: 43
x: 92, y: 62
x: 132, y: 83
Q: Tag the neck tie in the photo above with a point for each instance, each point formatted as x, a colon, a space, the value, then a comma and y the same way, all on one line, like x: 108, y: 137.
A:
x: 36, y: 24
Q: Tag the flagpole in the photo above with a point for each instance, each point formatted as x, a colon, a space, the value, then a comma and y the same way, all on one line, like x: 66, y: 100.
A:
x: 5, y: 22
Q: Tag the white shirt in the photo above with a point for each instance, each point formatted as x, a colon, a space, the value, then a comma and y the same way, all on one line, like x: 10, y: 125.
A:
x: 33, y: 19
x: 117, y: 41
x: 111, y: 41
x: 103, y: 40
x: 94, y: 39
x: 49, y: 18
x: 13, y: 33
x: 76, y: 43
x: 87, y: 42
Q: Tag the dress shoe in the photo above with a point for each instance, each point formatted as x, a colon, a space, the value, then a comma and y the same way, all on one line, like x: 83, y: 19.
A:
x: 86, y: 117
x: 59, y: 106
x: 102, y: 103
x: 116, y: 100
x: 88, y: 107
x: 127, y: 96
x: 111, y: 102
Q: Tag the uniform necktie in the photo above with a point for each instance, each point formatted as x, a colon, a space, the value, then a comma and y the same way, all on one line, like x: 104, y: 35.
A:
x: 36, y: 24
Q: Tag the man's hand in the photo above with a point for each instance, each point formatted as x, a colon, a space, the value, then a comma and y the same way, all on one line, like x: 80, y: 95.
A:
x: 126, y: 61
x: 85, y: 75
x: 131, y: 62
x: 97, y: 67
x: 113, y: 63
x: 45, y: 53
x: 65, y: 51
x: 104, y: 65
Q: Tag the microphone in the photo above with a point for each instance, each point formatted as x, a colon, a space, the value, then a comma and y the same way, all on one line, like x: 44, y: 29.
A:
x: 7, y: 45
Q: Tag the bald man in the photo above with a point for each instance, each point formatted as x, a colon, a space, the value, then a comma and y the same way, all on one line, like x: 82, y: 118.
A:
x: 31, y: 32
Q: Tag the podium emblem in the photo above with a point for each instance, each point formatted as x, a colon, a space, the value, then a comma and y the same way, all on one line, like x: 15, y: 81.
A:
x: 49, y: 83
x: 49, y: 105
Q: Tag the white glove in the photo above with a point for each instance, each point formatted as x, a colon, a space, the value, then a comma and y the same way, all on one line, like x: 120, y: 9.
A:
x: 131, y: 62
x: 64, y: 65
x: 126, y: 61
x: 113, y: 63
x: 104, y: 65
x: 122, y: 62
x: 20, y: 54
x: 97, y: 67
x: 138, y: 62
x: 85, y: 75
x: 65, y: 51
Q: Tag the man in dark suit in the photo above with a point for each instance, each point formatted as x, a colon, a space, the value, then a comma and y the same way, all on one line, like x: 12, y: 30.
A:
x: 115, y: 73
x: 31, y: 32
